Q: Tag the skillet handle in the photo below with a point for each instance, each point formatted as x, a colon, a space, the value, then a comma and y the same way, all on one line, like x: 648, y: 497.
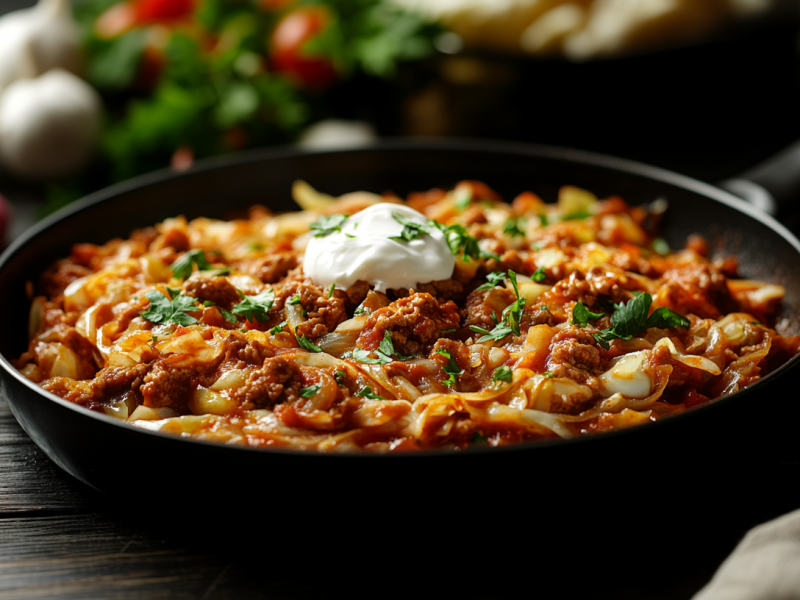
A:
x: 774, y: 185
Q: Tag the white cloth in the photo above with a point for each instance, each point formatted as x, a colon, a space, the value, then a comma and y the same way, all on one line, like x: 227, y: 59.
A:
x: 764, y: 566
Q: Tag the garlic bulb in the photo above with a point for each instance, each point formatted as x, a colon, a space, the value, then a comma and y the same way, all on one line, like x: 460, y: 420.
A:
x: 48, y: 125
x: 35, y: 40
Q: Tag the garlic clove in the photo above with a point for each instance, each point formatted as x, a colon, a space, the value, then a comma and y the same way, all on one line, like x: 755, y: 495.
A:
x: 49, y: 126
x: 35, y: 40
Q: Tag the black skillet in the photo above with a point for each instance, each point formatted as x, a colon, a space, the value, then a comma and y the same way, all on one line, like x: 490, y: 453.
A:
x: 697, y: 455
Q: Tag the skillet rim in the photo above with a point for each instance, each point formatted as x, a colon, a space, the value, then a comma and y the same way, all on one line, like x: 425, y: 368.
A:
x: 577, y: 157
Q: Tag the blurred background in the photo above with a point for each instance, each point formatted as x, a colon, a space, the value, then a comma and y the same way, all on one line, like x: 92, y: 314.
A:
x: 93, y: 92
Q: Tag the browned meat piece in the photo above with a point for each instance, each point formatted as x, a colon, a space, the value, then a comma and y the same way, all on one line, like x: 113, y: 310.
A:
x: 697, y: 288
x: 277, y: 379
x: 415, y: 322
x: 168, y: 386
x: 218, y: 290
x: 271, y: 268
x: 115, y: 383
x: 482, y: 304
x: 357, y: 292
x: 56, y: 279
x: 323, y: 314
x: 446, y: 289
x: 574, y: 354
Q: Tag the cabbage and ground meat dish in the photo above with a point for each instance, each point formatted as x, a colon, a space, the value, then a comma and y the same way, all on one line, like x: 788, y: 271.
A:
x: 552, y: 320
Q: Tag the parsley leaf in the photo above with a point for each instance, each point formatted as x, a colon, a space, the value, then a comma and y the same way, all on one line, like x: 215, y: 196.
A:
x: 411, y: 229
x: 182, y: 268
x: 661, y: 246
x: 577, y: 216
x: 306, y: 344
x: 327, y: 225
x: 166, y: 310
x: 451, y: 368
x: 631, y: 318
x: 340, y: 377
x: 360, y: 310
x: 310, y: 391
x: 362, y: 356
x: 503, y: 373
x: 539, y: 275
x: 278, y: 328
x: 459, y: 240
x: 493, y: 278
x: 366, y: 392
x: 582, y: 315
x: 512, y: 316
x: 330, y: 290
x: 512, y: 227
x: 256, y: 307
x: 229, y: 317
x: 295, y: 299
x: 386, y: 348
x: 463, y: 197
x: 477, y: 438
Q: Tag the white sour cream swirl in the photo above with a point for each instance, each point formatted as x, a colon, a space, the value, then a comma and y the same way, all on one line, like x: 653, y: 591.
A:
x: 371, y: 256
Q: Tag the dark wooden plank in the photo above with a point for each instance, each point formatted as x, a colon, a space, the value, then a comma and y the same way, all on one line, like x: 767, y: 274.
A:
x: 30, y: 482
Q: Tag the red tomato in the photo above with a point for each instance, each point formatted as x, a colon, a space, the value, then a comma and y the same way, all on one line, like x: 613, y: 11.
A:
x: 157, y: 11
x: 286, y: 48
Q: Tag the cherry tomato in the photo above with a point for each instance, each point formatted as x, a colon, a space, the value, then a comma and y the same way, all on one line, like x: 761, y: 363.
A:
x: 286, y: 48
x: 159, y: 11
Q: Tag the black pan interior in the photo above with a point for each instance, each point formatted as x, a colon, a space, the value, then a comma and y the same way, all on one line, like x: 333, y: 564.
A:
x: 220, y: 188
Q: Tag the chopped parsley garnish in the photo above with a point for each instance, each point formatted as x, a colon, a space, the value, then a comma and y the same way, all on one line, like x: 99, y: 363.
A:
x: 360, y: 310
x: 463, y: 198
x: 362, y: 356
x: 278, y: 328
x: 252, y: 247
x: 631, y: 318
x: 307, y: 345
x: 548, y: 374
x: 543, y: 222
x: 182, y: 268
x: 255, y: 307
x: 459, y: 240
x: 755, y: 322
x: 295, y: 299
x: 330, y: 290
x: 310, y: 391
x: 544, y: 307
x: 153, y: 339
x: 493, y: 278
x: 411, y: 229
x: 512, y: 227
x: 229, y: 317
x: 221, y: 272
x: 582, y: 315
x: 366, y: 392
x: 503, y: 373
x: 451, y: 330
x: 511, y: 317
x: 169, y: 310
x: 539, y: 275
x: 339, y: 376
x: 577, y: 216
x: 327, y: 225
x: 477, y: 438
x: 209, y: 303
x: 661, y: 246
x: 451, y: 368
x: 387, y: 348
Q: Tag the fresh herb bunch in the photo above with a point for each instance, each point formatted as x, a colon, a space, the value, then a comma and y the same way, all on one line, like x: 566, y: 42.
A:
x: 186, y: 79
x: 631, y: 318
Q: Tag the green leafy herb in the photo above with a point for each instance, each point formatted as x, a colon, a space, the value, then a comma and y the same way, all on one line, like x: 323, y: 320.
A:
x: 306, y: 344
x: 310, y: 391
x: 661, y: 246
x: 209, y: 303
x: 493, y: 279
x: 631, y: 318
x: 512, y: 315
x: 386, y: 348
x: 544, y: 307
x: 503, y: 373
x: 363, y: 356
x: 182, y: 268
x: 255, y: 308
x: 153, y: 339
x: 477, y: 438
x: 463, y: 198
x: 366, y: 392
x: 327, y: 225
x: 166, y: 310
x: 339, y: 376
x: 411, y: 229
x: 254, y: 246
x: 577, y: 216
x: 330, y: 290
x: 360, y: 310
x: 512, y: 227
x: 294, y: 299
x: 582, y: 315
x: 451, y: 330
x: 229, y: 317
x: 755, y: 322
x: 458, y: 240
x: 543, y: 222
x: 451, y: 368
x: 548, y: 374
x: 221, y: 272
x: 539, y: 275
x: 278, y: 328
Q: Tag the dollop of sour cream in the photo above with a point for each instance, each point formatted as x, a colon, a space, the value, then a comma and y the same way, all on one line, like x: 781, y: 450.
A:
x: 370, y: 255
